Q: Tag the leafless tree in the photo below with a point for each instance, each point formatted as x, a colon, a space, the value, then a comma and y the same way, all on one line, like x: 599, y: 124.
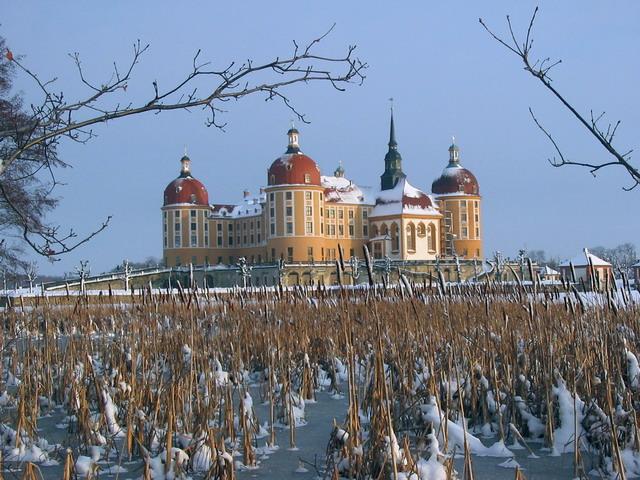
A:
x: 31, y: 272
x: 540, y: 68
x: 30, y: 136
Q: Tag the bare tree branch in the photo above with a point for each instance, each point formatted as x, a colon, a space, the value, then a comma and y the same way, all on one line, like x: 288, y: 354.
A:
x: 540, y: 70
x: 30, y: 137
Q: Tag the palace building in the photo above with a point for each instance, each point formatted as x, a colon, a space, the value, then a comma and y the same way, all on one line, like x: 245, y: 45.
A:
x: 302, y: 216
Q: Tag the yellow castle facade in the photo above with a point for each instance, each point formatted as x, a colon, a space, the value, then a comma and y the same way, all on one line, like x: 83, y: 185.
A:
x: 303, y: 216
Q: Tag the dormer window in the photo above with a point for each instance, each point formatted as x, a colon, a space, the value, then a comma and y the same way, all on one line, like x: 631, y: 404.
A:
x: 307, y: 178
x: 193, y: 198
x: 272, y: 180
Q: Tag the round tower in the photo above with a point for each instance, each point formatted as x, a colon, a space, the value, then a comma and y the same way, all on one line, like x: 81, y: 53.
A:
x: 295, y: 205
x: 458, y: 195
x: 185, y: 226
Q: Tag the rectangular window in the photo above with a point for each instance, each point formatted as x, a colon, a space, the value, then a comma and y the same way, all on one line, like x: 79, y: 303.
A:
x: 309, y: 227
x: 273, y: 228
x: 307, y: 178
x: 251, y: 238
x: 350, y: 214
x: 219, y: 227
x: 272, y: 212
x: 219, y: 241
x: 194, y: 226
x: 365, y: 230
x: 365, y: 214
x: 273, y: 254
x: 289, y: 254
x: 332, y: 229
x: 307, y: 195
x: 288, y: 195
x: 289, y: 228
x: 258, y: 238
x: 272, y: 197
x: 463, y: 204
x: 289, y: 211
x: 192, y: 213
x: 340, y: 230
x: 340, y: 214
x: 194, y: 240
x: 322, y: 228
x: 320, y: 196
x: 351, y: 230
x: 465, y: 232
x: 219, y: 259
x: 352, y: 252
x: 463, y: 217
x: 310, y: 254
x: 230, y: 240
x: 206, y: 234
x: 231, y: 227
x: 308, y: 211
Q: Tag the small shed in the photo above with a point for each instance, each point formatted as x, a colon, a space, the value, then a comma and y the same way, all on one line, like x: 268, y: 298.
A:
x: 548, y: 274
x: 587, y: 267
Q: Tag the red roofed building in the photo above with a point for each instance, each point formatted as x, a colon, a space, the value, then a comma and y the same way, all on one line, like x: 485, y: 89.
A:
x: 303, y: 216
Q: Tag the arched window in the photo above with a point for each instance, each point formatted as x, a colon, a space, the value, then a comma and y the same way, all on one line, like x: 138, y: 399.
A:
x: 411, y: 237
x: 431, y: 237
x: 395, y: 238
x: 374, y: 231
x: 422, y: 231
x: 384, y: 230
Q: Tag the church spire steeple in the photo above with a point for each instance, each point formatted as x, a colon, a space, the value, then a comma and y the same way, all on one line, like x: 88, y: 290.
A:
x: 392, y: 160
x: 392, y: 132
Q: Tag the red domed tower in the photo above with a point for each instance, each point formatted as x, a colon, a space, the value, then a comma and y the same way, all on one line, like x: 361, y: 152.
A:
x: 294, y: 201
x: 458, y: 194
x: 185, y: 227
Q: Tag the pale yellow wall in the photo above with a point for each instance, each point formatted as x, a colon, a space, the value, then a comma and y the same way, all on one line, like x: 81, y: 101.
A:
x: 467, y: 245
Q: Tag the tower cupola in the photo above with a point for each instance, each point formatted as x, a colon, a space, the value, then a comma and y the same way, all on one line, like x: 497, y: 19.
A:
x: 294, y: 145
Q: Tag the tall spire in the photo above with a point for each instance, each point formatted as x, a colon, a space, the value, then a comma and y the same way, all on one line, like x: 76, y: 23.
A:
x: 392, y: 130
x: 392, y: 160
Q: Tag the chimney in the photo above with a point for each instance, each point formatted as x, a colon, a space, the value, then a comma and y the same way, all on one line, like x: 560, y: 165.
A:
x: 246, y: 194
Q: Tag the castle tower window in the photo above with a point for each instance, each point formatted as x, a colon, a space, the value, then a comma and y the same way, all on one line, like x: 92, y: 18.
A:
x: 411, y: 237
x: 395, y: 238
x: 431, y: 238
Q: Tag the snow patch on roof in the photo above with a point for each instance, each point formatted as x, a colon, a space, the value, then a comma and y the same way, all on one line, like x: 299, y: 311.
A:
x: 343, y: 190
x: 585, y: 259
x: 397, y: 201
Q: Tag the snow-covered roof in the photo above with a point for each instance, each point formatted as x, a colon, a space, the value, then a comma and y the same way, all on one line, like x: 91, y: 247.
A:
x: 636, y: 265
x: 343, y: 190
x: 249, y: 208
x: 404, y: 198
x: 585, y: 259
x: 547, y: 270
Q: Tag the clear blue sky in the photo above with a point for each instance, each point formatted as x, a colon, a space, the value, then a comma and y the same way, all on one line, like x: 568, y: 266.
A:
x: 446, y: 75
